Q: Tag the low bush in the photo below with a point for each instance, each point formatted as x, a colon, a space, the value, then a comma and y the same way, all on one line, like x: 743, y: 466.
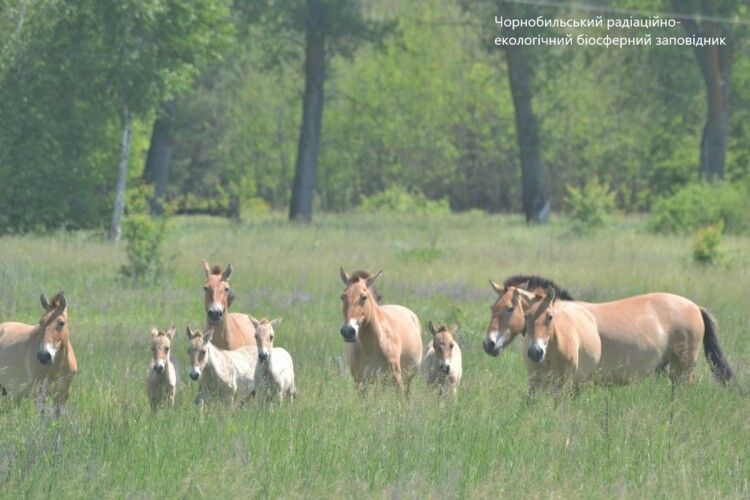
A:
x: 399, y: 200
x: 700, y: 205
x: 706, y: 244
x: 144, y: 236
x: 589, y: 207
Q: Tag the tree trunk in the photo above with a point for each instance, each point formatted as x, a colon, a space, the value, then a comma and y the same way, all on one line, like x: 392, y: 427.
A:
x: 535, y: 205
x: 159, y: 158
x: 716, y: 66
x: 715, y: 62
x: 122, y: 178
x: 303, y: 188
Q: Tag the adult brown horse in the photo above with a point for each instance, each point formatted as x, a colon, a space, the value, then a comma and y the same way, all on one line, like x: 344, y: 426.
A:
x: 231, y: 330
x: 562, y: 342
x: 380, y: 340
x: 639, y: 335
x: 39, y: 359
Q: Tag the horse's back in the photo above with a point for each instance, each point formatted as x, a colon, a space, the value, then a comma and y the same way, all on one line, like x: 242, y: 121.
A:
x: 636, y: 331
x: 13, y: 333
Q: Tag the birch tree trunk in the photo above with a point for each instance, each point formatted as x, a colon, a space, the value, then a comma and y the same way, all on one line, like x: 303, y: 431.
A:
x: 115, y: 229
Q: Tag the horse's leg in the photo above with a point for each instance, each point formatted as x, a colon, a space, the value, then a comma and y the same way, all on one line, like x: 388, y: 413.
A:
x: 398, y: 377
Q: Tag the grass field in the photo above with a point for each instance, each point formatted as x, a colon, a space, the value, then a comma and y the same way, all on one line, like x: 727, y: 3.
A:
x: 610, y: 441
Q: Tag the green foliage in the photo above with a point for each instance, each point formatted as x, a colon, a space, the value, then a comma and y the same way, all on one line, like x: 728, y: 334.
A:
x: 399, y: 200
x: 698, y: 205
x: 66, y: 73
x: 706, y: 244
x: 590, y: 206
x: 144, y: 236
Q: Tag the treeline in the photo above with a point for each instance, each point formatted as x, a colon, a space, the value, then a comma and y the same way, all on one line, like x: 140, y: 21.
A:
x: 227, y: 107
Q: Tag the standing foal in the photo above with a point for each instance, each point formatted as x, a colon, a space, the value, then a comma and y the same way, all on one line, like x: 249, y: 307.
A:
x: 162, y: 378
x: 274, y: 373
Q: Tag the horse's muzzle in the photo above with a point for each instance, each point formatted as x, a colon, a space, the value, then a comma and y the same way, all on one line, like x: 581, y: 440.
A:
x: 158, y: 368
x: 194, y: 375
x: 263, y: 356
x: 536, y: 353
x: 214, y: 315
x: 491, y: 348
x: 44, y: 356
x: 349, y: 333
x: 445, y: 368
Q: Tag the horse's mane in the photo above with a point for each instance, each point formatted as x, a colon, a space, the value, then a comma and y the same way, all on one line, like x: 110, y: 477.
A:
x: 535, y: 282
x: 216, y: 269
x: 363, y: 275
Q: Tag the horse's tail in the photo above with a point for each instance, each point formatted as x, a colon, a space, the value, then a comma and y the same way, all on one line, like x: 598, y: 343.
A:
x: 711, y: 347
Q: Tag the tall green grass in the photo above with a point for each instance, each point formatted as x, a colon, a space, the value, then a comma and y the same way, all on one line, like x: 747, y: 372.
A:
x: 628, y: 441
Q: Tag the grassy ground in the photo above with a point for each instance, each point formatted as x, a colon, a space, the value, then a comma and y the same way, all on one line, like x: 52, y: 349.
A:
x: 622, y: 441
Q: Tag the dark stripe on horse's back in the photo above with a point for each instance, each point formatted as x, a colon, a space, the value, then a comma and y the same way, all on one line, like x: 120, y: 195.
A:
x: 537, y: 282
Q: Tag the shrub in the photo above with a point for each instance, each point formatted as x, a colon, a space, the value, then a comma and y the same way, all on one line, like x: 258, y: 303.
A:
x: 700, y: 205
x: 707, y: 244
x: 590, y: 206
x: 144, y: 237
x: 400, y: 200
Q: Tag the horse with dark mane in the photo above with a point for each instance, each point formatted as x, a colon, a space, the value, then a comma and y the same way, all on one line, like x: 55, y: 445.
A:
x: 639, y: 334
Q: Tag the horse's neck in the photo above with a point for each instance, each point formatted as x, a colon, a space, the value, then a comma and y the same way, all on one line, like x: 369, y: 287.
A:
x: 223, y: 332
x: 371, y: 331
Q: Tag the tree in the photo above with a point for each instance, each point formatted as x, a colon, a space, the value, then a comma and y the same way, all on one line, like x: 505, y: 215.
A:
x: 156, y: 48
x: 330, y: 27
x: 159, y: 157
x: 715, y: 63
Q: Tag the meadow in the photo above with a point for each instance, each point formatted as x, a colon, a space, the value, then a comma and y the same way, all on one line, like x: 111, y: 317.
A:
x: 631, y: 441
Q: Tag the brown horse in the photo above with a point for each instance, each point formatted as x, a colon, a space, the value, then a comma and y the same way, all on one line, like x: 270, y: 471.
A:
x: 39, y: 359
x: 639, y: 335
x: 230, y: 330
x: 380, y: 340
x: 562, y: 342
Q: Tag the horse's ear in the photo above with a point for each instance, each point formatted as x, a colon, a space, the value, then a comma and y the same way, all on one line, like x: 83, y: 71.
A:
x: 344, y: 276
x: 153, y: 331
x: 207, y: 336
x: 372, y: 279
x: 44, y: 301
x: 227, y: 272
x: 170, y: 333
x: 206, y: 267
x: 60, y: 300
x: 189, y: 332
x: 498, y: 289
x: 516, y: 297
x: 254, y: 321
x: 524, y: 285
x: 454, y: 330
x: 275, y: 322
x: 431, y: 327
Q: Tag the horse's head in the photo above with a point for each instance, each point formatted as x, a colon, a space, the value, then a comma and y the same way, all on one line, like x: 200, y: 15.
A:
x: 218, y: 293
x: 539, y: 327
x: 197, y: 350
x: 54, y: 325
x: 358, y: 298
x: 264, y: 336
x: 507, y: 317
x: 161, y: 341
x: 443, y: 341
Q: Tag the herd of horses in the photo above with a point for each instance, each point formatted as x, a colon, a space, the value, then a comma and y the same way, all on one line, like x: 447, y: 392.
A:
x: 566, y: 342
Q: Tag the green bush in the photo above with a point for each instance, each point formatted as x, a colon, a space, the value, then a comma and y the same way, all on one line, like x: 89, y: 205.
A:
x: 700, y: 205
x: 144, y: 237
x: 706, y: 244
x: 399, y: 200
x: 590, y: 206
